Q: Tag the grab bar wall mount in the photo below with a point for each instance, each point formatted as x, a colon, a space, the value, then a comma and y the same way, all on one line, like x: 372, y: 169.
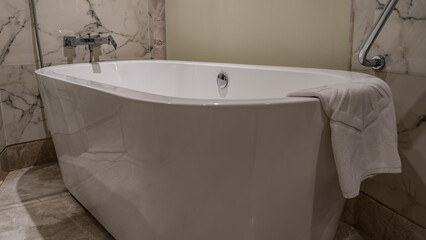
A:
x: 377, y: 62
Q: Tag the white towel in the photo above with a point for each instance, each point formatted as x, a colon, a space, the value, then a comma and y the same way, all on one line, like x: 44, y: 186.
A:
x: 363, y: 129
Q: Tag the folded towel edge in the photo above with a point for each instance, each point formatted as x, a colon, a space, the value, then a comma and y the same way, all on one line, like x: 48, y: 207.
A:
x: 368, y: 174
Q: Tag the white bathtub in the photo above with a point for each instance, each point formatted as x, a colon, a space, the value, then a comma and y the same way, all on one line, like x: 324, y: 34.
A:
x: 155, y: 150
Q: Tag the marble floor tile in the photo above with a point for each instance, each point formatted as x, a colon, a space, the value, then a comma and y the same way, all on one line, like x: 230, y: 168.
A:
x: 34, y: 204
x: 32, y: 183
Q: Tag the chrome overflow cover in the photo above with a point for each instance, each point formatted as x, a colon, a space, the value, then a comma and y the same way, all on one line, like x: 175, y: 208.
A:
x: 222, y: 80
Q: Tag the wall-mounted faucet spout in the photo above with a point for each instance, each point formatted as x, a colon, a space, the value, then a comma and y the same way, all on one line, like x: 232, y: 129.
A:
x: 90, y: 41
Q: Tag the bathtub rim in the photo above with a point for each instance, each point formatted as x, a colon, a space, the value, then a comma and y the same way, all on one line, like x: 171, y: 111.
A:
x: 48, y: 72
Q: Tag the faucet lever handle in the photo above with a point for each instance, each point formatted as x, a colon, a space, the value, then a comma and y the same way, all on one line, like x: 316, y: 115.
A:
x: 69, y: 41
x: 112, y: 42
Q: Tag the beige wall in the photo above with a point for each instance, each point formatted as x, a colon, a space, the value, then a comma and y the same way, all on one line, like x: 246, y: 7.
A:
x: 303, y: 33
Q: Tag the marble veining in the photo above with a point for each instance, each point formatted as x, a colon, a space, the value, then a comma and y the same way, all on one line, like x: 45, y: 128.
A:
x: 6, y: 47
x: 138, y: 26
x: 157, y: 29
x: 403, y: 40
x: 15, y: 33
x: 21, y: 104
x: 126, y: 21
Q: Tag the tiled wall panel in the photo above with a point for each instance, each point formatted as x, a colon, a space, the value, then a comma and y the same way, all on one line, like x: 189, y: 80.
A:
x: 138, y: 26
x: 403, y: 42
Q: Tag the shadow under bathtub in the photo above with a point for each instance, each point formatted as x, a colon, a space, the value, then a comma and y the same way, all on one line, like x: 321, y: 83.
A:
x: 54, y: 212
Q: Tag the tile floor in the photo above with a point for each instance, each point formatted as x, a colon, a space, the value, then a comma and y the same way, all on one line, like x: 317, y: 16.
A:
x: 34, y: 204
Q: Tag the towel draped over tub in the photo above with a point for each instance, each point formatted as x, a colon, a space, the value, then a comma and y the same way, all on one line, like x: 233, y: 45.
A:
x: 363, y: 129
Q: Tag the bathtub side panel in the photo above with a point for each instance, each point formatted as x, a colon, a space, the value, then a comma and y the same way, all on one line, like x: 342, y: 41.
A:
x: 158, y: 171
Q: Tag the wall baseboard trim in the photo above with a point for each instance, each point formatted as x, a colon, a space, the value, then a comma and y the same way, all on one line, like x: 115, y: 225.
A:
x: 26, y: 154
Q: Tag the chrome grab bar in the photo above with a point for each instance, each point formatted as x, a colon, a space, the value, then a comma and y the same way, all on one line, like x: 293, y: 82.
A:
x: 377, y: 62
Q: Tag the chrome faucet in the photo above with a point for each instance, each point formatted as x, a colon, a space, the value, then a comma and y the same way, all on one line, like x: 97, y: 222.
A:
x: 90, y: 41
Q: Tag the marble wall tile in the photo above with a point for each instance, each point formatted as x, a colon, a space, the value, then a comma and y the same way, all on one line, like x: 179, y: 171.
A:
x: 377, y: 222
x: 2, y: 132
x: 157, y: 10
x: 15, y: 33
x: 21, y: 114
x: 23, y: 118
x: 157, y: 29
x: 402, y: 40
x: 127, y: 21
x: 406, y: 192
